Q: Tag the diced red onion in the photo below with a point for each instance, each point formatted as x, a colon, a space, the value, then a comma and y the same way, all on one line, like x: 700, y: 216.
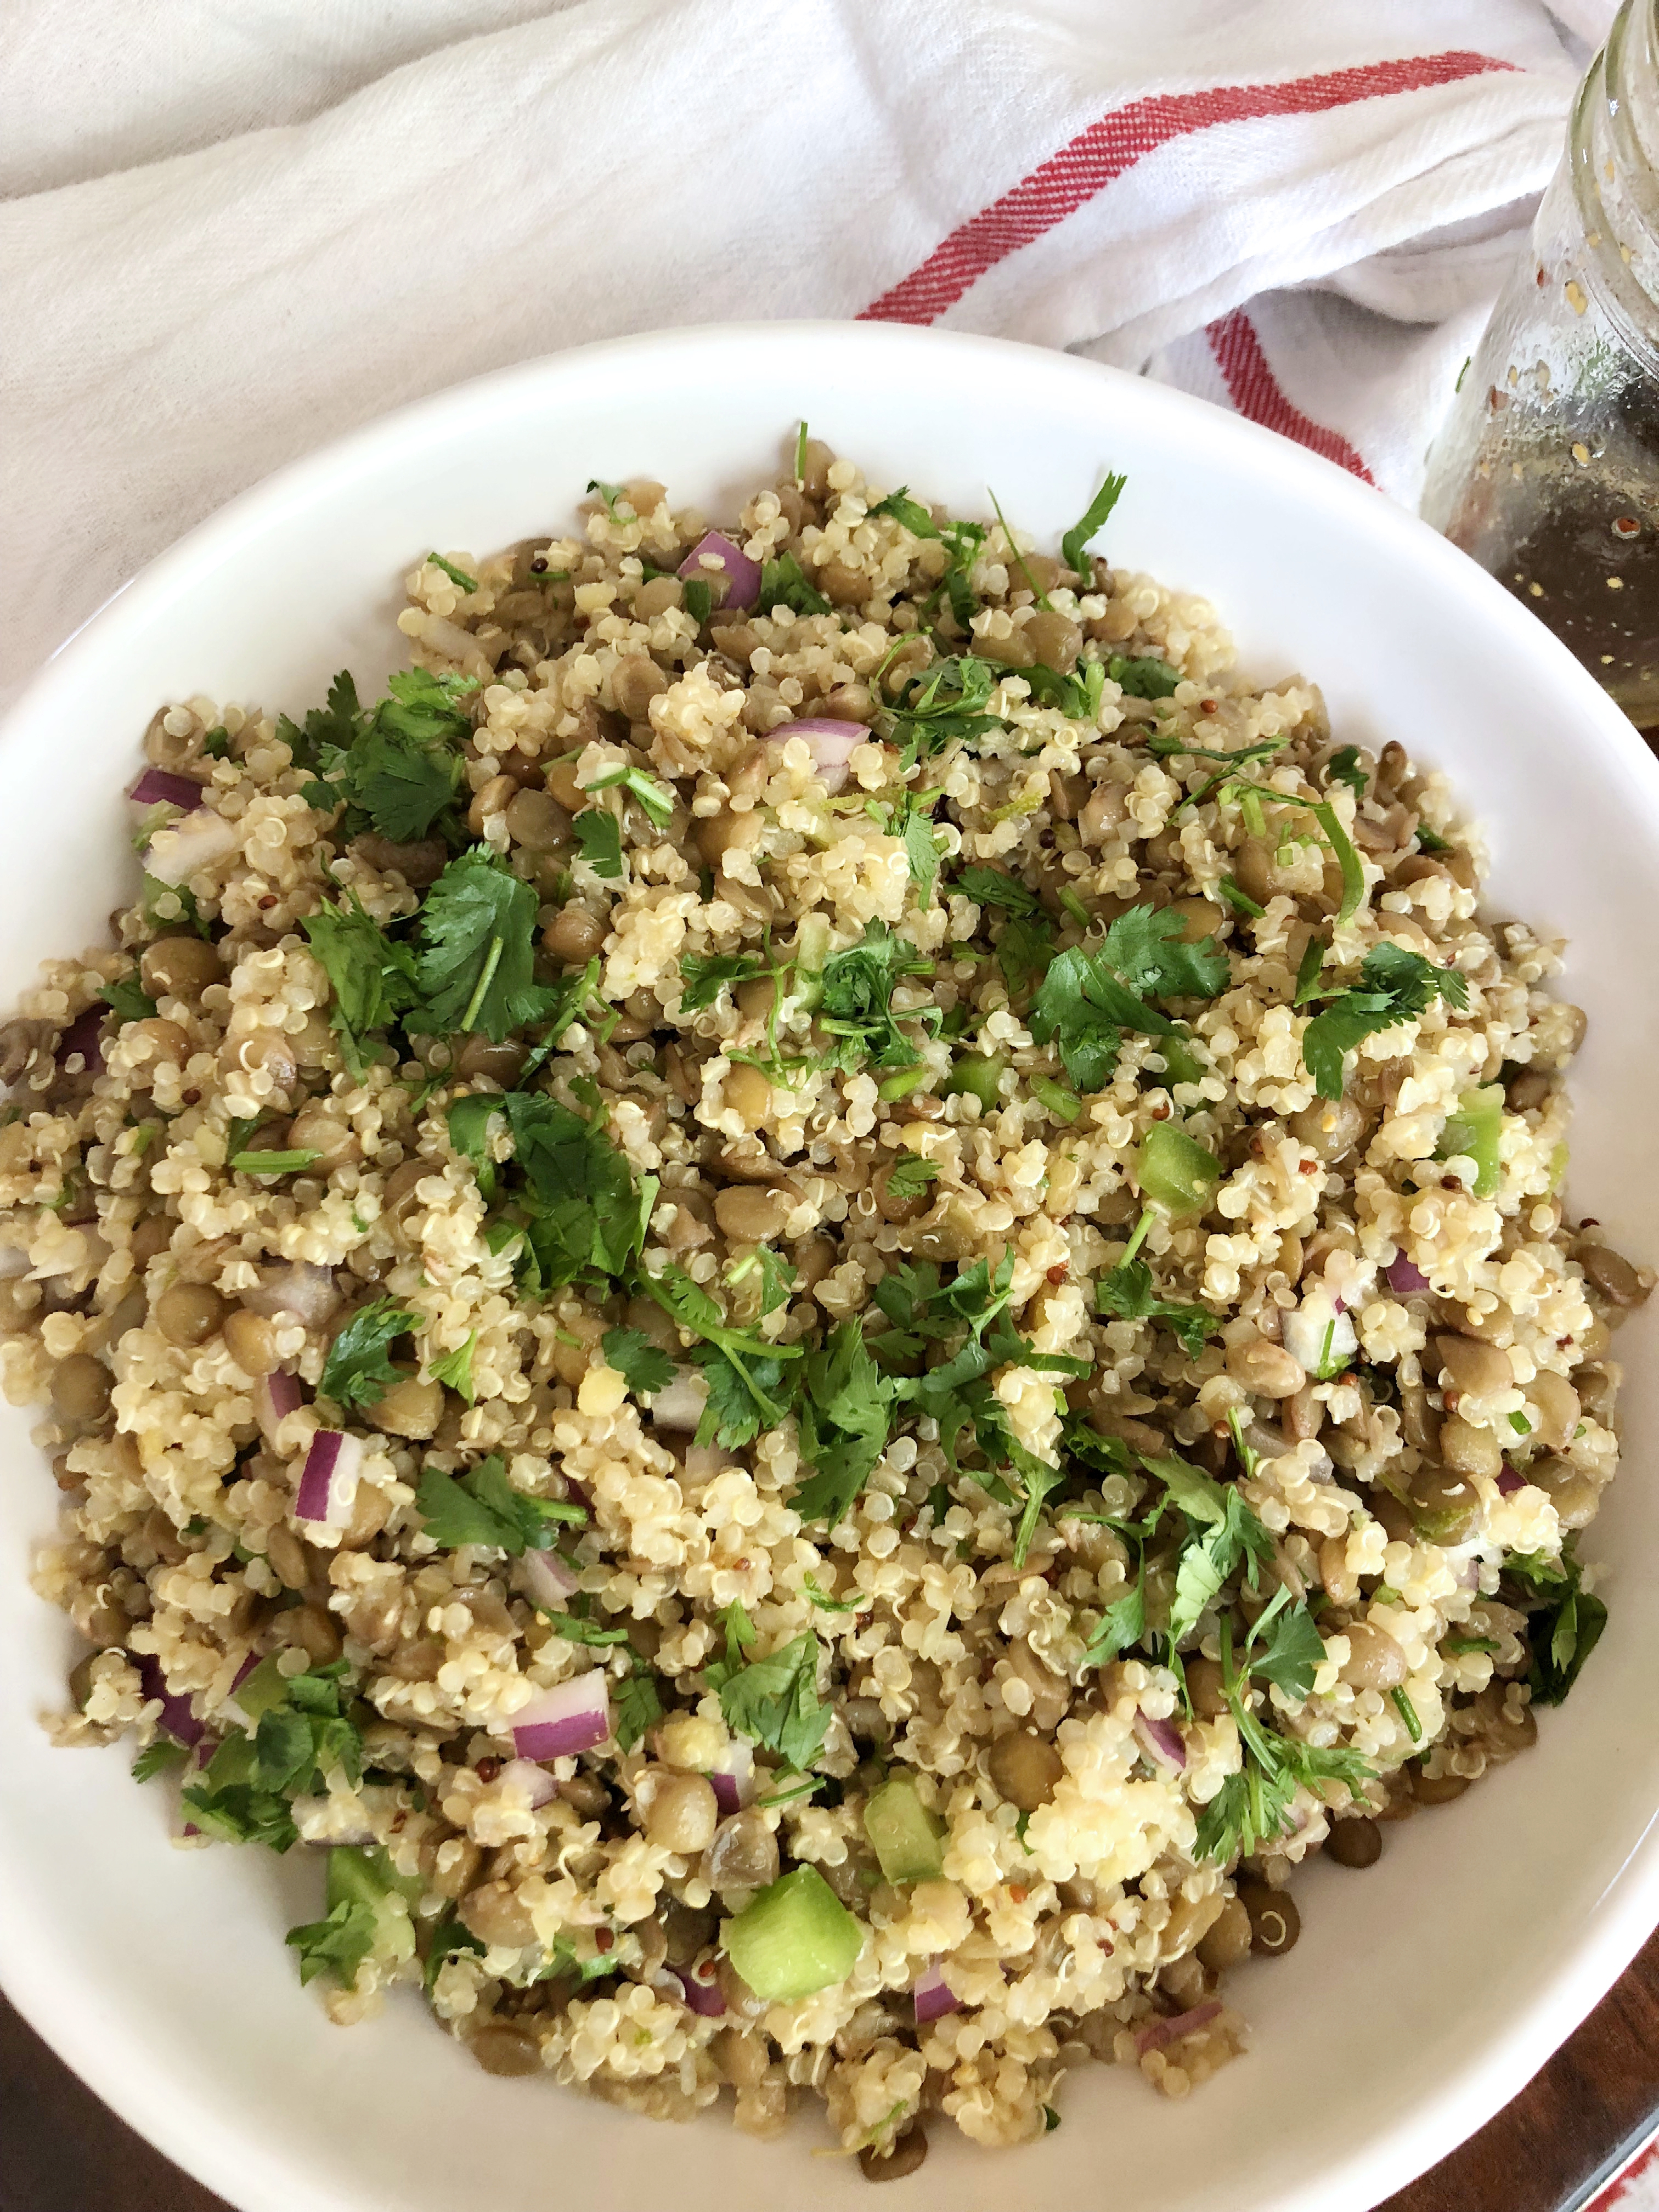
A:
x: 1509, y: 1482
x: 297, y: 1288
x: 1158, y: 2032
x: 732, y: 1776
x: 702, y: 1987
x: 572, y: 1717
x: 535, y: 1781
x: 177, y: 1717
x: 85, y: 1035
x: 329, y: 1483
x: 196, y: 841
x: 547, y: 1580
x: 1162, y: 1740
x: 275, y: 1397
x: 1403, y: 1278
x: 156, y: 788
x: 933, y: 1994
x: 679, y: 1403
x: 743, y: 575
x: 831, y: 744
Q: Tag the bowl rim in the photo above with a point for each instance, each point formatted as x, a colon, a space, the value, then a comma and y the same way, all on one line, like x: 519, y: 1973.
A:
x: 125, y: 2076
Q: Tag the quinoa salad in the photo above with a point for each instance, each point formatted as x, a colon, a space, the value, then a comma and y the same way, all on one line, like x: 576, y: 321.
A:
x: 812, y: 1304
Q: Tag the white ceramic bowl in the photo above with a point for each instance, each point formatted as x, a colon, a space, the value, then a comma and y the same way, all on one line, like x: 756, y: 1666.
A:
x: 1423, y: 1993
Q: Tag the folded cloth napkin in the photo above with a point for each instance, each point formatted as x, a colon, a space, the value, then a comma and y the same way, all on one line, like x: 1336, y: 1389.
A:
x: 230, y: 234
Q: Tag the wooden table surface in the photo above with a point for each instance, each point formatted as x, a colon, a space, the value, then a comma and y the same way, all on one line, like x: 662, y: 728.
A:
x: 63, y: 2151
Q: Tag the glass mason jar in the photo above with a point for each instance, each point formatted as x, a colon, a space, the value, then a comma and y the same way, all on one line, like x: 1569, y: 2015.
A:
x: 1547, y: 467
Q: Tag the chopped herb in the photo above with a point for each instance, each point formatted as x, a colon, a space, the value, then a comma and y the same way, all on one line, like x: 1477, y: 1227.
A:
x: 1023, y: 565
x: 1087, y: 999
x: 1074, y: 546
x: 844, y: 1414
x: 1126, y: 1293
x: 644, y: 1366
x: 588, y: 1215
x: 1407, y: 1712
x: 609, y: 493
x: 907, y: 513
x: 1147, y: 677
x: 455, y: 1369
x: 479, y: 932
x: 697, y: 598
x: 784, y: 584
x: 947, y: 703
x: 357, y: 1371
x: 635, y: 1706
x: 161, y: 1757
x: 1240, y: 901
x: 922, y: 851
x: 1308, y: 969
x: 704, y: 977
x: 481, y: 1507
x: 1396, y: 985
x: 800, y: 454
x: 823, y: 1601
x: 575, y: 1628
x: 1564, y: 1624
x: 273, y: 1164
x: 599, y: 835
x: 449, y: 1938
x: 910, y: 1174
x: 1252, y: 1806
x: 773, y: 1700
x: 1457, y: 1645
x: 990, y: 887
x: 1431, y: 841
x: 856, y: 1007
x: 216, y: 744
x: 130, y: 1002
x: 1521, y: 1424
x: 1343, y: 767
x: 455, y: 575
x: 372, y: 974
x: 1295, y: 1651
x: 339, y: 1944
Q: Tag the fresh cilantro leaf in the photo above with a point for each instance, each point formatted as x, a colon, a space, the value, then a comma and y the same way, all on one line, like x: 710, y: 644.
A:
x: 576, y: 1629
x: 1564, y: 1627
x: 401, y: 784
x: 1101, y: 1455
x: 757, y: 1364
x: 855, y: 1005
x: 477, y: 930
x: 339, y: 1944
x: 161, y: 1757
x: 1308, y: 969
x: 372, y: 976
x: 335, y: 727
x: 455, y: 575
x: 910, y: 1174
x: 1123, y: 1625
x: 990, y: 887
x: 1176, y: 745
x: 356, y: 1372
x: 1396, y: 985
x: 1293, y: 1653
x: 599, y: 835
x: 1126, y: 1292
x: 455, y: 1369
x: 921, y: 850
x: 744, y: 1395
x: 1343, y: 767
x: 216, y: 744
x: 129, y: 999
x: 609, y: 493
x: 774, y: 1700
x: 1024, y: 949
x: 644, y: 1366
x: 907, y: 513
x: 948, y: 702
x: 823, y: 1601
x: 1431, y: 841
x: 784, y: 584
x: 1066, y: 1011
x: 704, y: 977
x: 1148, y: 948
x: 844, y: 1414
x: 635, y: 1706
x: 697, y: 598
x: 1147, y: 677
x: 588, y: 1215
x: 483, y: 1507
x: 424, y: 708
x: 1074, y: 546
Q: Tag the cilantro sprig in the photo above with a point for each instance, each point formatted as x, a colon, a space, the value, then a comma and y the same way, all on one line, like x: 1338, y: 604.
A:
x: 481, y: 1507
x: 1090, y: 996
x: 772, y: 1699
x: 1396, y: 985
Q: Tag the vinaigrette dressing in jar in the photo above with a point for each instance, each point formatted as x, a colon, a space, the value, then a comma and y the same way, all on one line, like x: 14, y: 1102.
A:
x: 1546, y: 470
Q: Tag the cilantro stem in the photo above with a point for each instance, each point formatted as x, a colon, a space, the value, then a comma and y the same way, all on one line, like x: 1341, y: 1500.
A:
x: 492, y: 962
x: 1038, y: 593
x: 1140, y: 1236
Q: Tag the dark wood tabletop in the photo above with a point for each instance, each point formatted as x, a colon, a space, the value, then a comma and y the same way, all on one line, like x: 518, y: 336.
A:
x: 1546, y: 2152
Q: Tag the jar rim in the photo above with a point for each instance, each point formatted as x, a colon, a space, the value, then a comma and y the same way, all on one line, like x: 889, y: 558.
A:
x: 1620, y: 225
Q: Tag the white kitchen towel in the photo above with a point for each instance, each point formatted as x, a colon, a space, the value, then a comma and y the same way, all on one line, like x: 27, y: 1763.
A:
x: 232, y: 231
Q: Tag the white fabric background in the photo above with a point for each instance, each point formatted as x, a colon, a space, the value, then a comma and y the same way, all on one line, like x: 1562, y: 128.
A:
x: 233, y: 228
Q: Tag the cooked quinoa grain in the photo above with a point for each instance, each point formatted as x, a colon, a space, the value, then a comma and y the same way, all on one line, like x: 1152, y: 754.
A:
x: 821, y: 1298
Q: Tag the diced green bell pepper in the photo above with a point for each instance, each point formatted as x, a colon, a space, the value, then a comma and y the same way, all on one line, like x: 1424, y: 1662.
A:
x: 1475, y: 1128
x: 1175, y: 1172
x: 796, y: 1937
x: 903, y: 1834
x: 980, y: 1074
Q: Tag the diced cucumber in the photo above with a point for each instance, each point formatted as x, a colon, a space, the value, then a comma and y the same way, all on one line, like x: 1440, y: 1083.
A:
x: 1179, y: 1064
x: 796, y: 1937
x: 1475, y: 1128
x: 811, y: 951
x: 903, y: 1834
x: 363, y: 1873
x: 1175, y: 1172
x: 980, y: 1074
